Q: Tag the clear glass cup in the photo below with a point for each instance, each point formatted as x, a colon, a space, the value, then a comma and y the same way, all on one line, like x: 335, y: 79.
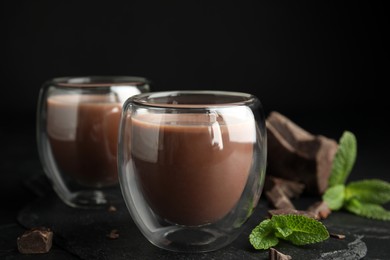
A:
x: 192, y: 166
x: 77, y: 133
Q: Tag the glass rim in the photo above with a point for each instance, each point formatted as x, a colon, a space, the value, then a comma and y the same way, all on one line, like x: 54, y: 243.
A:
x: 147, y: 99
x: 97, y: 81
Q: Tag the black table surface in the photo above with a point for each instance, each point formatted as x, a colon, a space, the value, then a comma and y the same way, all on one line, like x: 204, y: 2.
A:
x: 27, y: 200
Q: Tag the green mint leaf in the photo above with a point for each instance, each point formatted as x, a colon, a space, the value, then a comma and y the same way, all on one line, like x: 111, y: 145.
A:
x: 298, y: 229
x: 305, y: 230
x: 368, y: 210
x: 334, y: 197
x: 263, y: 236
x: 371, y: 191
x: 344, y: 159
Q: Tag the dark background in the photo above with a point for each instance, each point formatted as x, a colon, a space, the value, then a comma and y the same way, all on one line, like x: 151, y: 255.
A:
x: 303, y: 57
x: 322, y: 64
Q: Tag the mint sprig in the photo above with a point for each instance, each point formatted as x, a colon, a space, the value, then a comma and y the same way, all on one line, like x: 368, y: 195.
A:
x: 363, y: 198
x: 297, y: 229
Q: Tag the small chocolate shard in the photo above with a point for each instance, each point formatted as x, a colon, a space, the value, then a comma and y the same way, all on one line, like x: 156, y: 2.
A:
x: 113, y: 234
x: 278, y: 199
x: 274, y: 212
x: 274, y: 254
x: 291, y: 189
x: 297, y: 155
x: 338, y: 236
x: 112, y: 209
x: 320, y: 209
x: 35, y: 241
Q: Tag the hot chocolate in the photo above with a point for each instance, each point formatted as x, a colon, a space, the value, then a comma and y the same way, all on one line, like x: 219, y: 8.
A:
x: 192, y: 168
x: 83, y: 133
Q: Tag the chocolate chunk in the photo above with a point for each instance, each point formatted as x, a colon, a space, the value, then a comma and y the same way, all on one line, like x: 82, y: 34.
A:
x: 113, y: 234
x: 338, y: 236
x: 291, y: 189
x: 320, y: 209
x: 278, y: 199
x: 297, y: 155
x: 35, y: 241
x: 111, y: 209
x: 273, y: 212
x: 274, y: 254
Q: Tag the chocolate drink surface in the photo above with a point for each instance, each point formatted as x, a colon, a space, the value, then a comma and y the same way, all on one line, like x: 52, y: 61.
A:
x: 83, y: 133
x: 192, y: 168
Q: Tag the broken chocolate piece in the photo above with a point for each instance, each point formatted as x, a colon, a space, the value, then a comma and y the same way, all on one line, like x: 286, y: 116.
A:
x: 273, y: 212
x: 274, y: 254
x: 111, y: 209
x: 291, y: 189
x: 113, y: 234
x: 278, y: 199
x: 338, y: 236
x: 320, y: 209
x: 297, y: 155
x: 35, y: 241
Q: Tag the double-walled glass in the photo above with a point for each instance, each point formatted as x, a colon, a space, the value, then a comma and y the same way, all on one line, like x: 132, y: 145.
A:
x: 77, y: 131
x: 192, y: 166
